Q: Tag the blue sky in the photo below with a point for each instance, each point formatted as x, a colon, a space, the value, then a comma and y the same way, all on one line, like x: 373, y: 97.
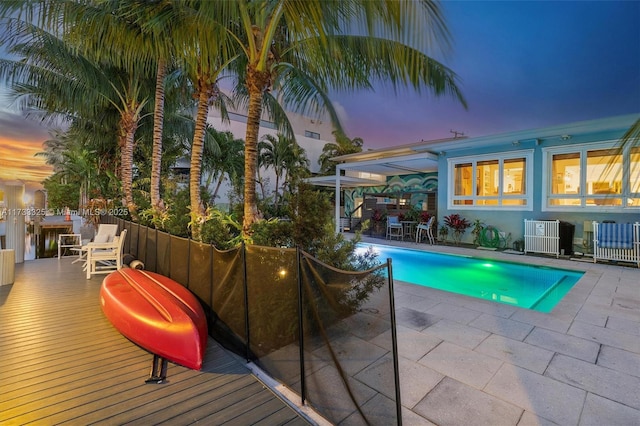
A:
x: 521, y: 64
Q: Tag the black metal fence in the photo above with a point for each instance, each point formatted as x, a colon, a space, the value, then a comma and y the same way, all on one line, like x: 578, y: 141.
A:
x: 327, y: 334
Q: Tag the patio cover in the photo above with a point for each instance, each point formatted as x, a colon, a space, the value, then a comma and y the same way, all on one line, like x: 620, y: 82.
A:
x: 370, y: 168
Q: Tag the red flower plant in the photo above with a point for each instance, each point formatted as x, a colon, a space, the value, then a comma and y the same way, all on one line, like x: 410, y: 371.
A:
x: 458, y: 224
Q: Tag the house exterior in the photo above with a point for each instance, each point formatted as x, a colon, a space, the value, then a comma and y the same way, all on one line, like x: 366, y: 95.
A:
x: 576, y: 173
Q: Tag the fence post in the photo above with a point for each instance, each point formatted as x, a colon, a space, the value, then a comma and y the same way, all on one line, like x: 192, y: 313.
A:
x: 246, y: 300
x: 394, y: 342
x: 303, y: 384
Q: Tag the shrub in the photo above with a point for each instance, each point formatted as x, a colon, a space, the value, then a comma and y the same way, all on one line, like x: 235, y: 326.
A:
x: 458, y: 224
x: 177, y: 221
x: 273, y: 233
x: 215, y: 231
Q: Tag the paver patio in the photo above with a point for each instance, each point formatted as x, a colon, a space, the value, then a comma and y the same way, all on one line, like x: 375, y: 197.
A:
x: 468, y: 361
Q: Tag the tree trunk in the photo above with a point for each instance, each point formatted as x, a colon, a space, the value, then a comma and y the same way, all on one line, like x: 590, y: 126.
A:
x: 257, y: 81
x: 128, y: 126
x: 218, y: 185
x: 276, y: 195
x: 197, y: 208
x: 158, y: 122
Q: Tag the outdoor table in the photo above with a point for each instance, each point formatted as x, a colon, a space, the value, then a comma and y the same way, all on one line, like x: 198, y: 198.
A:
x: 409, y: 228
x: 68, y: 241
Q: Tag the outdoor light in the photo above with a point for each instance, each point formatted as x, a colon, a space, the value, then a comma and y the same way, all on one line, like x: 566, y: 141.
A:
x: 282, y: 273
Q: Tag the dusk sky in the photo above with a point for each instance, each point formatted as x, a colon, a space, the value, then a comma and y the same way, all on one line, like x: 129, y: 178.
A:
x: 521, y: 65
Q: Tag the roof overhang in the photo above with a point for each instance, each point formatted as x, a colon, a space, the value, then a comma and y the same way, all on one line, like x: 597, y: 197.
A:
x: 395, y: 166
x: 345, y: 181
x: 399, y: 165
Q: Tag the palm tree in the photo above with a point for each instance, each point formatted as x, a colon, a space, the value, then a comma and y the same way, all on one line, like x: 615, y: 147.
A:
x: 342, y: 146
x: 172, y: 33
x: 134, y: 35
x: 130, y: 107
x: 282, y: 154
x: 132, y: 43
x: 223, y: 158
x: 56, y: 77
x: 54, y: 149
x: 73, y: 160
x: 297, y: 167
x: 287, y: 46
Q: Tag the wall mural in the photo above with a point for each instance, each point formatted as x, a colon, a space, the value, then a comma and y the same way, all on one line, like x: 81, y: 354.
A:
x: 395, y: 184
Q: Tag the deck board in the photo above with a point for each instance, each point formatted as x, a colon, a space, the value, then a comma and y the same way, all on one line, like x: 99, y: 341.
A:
x: 61, y: 362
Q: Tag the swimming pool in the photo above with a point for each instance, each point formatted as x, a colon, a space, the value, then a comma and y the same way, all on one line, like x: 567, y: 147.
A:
x: 527, y: 286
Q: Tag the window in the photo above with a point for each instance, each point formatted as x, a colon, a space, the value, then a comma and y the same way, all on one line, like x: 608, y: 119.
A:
x: 634, y: 175
x: 594, y: 176
x: 312, y: 135
x: 490, y: 181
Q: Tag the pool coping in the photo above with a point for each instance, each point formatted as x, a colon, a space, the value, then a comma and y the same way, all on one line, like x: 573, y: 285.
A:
x: 477, y: 256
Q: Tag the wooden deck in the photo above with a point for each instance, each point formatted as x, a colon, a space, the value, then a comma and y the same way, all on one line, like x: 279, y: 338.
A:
x: 61, y: 362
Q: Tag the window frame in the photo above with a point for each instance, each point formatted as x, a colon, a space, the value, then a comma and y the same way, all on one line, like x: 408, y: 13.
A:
x: 582, y: 195
x: 501, y: 157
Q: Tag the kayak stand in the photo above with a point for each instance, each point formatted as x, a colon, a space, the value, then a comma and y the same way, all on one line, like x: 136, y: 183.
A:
x: 158, y: 370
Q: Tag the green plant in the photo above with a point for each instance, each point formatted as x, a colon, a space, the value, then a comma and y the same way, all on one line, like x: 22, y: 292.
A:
x: 413, y: 214
x: 378, y: 215
x: 220, y: 229
x: 477, y: 231
x: 444, y: 233
x: 458, y: 224
x: 361, y: 289
x: 273, y: 233
x: 177, y: 222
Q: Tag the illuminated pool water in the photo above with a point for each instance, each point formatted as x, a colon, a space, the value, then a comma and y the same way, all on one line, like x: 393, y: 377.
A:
x: 527, y: 286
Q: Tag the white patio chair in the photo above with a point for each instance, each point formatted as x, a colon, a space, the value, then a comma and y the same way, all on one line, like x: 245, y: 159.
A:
x: 394, y: 228
x: 106, y: 234
x: 104, y: 258
x: 426, y: 228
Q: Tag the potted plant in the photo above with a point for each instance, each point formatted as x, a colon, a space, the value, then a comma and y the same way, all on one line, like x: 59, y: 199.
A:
x: 476, y: 231
x: 444, y: 233
x: 518, y: 245
x: 458, y: 224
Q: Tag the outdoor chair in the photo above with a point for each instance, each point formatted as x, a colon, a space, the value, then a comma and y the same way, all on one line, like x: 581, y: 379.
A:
x: 394, y: 228
x: 106, y: 234
x: 426, y: 229
x: 104, y: 258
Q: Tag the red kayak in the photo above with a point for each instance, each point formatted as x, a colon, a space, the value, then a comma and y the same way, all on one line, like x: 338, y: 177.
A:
x: 156, y: 313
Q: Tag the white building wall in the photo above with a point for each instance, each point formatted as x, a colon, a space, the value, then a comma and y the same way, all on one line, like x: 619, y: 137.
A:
x: 301, y: 125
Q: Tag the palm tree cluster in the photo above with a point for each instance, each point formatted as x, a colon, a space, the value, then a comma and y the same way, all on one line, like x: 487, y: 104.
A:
x: 132, y: 81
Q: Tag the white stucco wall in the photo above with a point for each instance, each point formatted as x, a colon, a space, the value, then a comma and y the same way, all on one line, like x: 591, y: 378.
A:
x: 313, y: 147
